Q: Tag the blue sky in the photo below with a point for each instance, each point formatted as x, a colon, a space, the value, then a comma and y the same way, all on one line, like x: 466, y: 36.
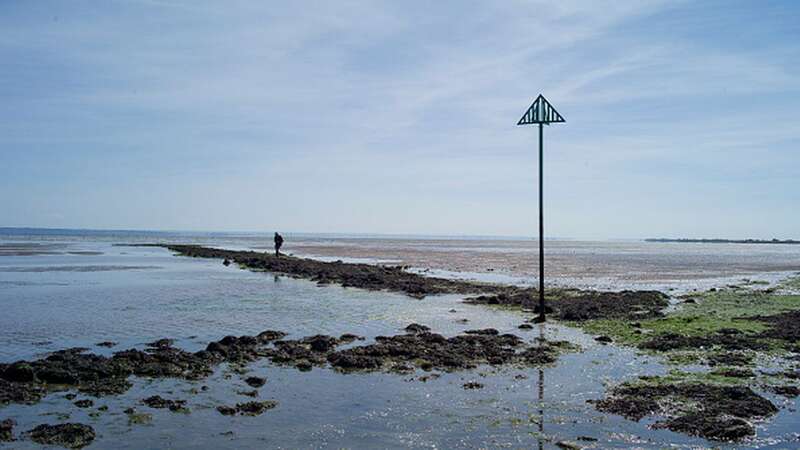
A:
x: 399, y: 117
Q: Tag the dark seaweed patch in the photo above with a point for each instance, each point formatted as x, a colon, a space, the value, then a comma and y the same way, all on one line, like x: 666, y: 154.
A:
x: 701, y: 409
x: 580, y: 306
x: 69, y: 435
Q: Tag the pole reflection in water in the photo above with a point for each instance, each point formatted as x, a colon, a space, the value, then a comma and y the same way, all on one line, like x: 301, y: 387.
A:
x: 541, y: 394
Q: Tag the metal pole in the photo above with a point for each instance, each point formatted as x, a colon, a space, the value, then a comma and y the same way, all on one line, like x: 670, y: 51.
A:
x: 541, y: 224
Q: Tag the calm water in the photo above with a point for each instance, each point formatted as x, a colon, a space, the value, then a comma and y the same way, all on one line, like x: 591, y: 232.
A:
x: 64, y: 291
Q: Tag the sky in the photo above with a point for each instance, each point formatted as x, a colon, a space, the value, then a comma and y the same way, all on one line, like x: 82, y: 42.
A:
x: 400, y: 117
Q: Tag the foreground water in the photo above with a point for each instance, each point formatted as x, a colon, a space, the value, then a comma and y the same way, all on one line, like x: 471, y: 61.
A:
x: 64, y: 292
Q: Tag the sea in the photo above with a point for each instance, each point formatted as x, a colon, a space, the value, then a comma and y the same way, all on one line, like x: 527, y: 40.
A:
x: 77, y: 288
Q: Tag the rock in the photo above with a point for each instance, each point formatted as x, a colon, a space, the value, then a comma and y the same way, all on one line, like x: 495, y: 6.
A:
x: 726, y: 340
x: 790, y: 374
x: 69, y: 435
x: 253, y: 393
x: 348, y: 337
x: 568, y: 445
x: 85, y: 403
x: 402, y: 368
x: 99, y: 375
x: 107, y: 344
x: 7, y: 430
x: 321, y: 343
x: 159, y: 402
x: 355, y: 360
x: 19, y: 372
x: 485, y: 332
x: 417, y: 328
x: 248, y: 408
x: 603, y: 339
x: 57, y: 375
x: 717, y: 412
x: 540, y: 355
x: 270, y: 335
x: 255, y: 382
x: 472, y: 385
x: 525, y: 326
x: 428, y: 377
x: 784, y: 326
x: 226, y: 410
x: 585, y: 305
x: 226, y: 262
x: 111, y: 386
x: 139, y: 418
x: 787, y: 391
x: 234, y: 349
x: 716, y: 428
x: 20, y: 392
x: 255, y: 408
x: 733, y: 372
x: 430, y: 351
x: 365, y: 276
x: 161, y: 343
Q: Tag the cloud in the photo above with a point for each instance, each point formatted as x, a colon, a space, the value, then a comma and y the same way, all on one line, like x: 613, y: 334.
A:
x: 380, y: 105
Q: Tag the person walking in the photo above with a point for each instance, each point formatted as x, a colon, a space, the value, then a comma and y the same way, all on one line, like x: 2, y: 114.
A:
x: 278, y: 243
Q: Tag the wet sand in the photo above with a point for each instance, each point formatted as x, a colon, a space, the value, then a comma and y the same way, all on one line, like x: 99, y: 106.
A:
x: 610, y: 265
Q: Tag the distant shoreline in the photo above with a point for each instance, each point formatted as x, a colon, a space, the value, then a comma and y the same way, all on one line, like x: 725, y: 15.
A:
x: 725, y: 241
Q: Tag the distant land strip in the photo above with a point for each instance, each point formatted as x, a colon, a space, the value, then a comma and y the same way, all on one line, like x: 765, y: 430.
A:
x: 726, y: 241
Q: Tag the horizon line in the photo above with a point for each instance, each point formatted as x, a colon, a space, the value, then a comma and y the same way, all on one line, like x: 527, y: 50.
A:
x: 296, y: 233
x: 339, y: 234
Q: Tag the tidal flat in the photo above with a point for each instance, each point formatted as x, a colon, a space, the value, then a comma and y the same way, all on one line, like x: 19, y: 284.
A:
x: 219, y: 357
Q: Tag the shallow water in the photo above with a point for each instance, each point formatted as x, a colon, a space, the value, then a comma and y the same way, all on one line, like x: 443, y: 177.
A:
x: 610, y: 265
x: 146, y: 293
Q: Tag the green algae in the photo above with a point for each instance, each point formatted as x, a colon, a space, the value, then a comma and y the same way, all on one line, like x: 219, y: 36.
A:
x: 704, y: 315
x: 715, y: 377
x: 791, y: 283
x: 737, y: 331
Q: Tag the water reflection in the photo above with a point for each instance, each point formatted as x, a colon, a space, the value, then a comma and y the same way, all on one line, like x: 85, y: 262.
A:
x: 541, y: 394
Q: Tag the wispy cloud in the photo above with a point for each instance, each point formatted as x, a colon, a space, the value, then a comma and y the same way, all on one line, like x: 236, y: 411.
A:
x: 369, y: 110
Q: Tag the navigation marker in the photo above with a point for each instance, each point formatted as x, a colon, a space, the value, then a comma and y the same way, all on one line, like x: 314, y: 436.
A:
x: 542, y: 113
